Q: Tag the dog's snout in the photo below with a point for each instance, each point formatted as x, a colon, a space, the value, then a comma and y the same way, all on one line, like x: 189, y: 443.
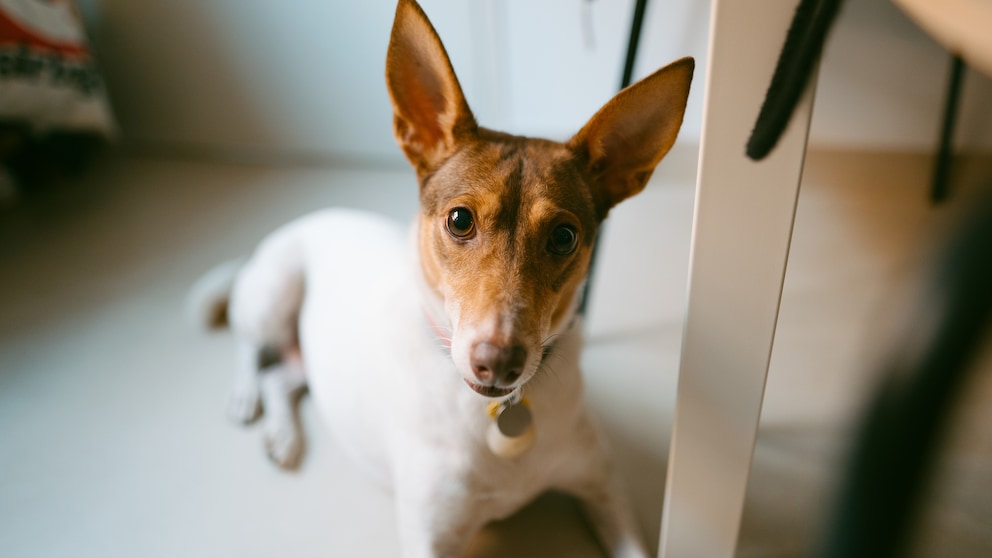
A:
x: 498, y: 365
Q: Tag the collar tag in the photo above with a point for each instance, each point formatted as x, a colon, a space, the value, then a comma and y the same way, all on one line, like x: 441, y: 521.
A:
x: 511, y: 433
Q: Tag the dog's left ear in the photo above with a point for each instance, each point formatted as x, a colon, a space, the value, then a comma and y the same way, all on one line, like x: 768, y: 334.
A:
x: 627, y: 138
x: 430, y: 115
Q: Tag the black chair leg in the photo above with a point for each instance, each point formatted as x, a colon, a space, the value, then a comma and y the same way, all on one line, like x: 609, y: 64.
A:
x: 942, y: 168
x: 633, y: 40
x: 636, y: 24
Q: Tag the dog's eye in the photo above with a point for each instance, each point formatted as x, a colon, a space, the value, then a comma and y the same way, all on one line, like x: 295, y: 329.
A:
x: 460, y: 223
x: 563, y: 240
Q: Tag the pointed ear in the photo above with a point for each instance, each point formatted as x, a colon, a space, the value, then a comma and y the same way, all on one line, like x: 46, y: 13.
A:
x: 430, y: 114
x: 627, y: 138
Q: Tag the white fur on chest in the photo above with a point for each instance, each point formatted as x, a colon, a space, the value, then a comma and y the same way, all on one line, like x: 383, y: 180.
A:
x: 386, y: 386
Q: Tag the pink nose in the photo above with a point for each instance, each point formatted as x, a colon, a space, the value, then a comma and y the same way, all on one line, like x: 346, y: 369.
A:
x: 498, y: 365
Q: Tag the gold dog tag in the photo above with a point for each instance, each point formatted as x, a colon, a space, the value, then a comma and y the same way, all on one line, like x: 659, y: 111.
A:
x: 512, y: 432
x: 513, y: 420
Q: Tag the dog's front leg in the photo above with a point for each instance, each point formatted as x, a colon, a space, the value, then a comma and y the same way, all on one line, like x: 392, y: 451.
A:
x: 434, y: 514
x: 608, y: 510
x: 594, y: 481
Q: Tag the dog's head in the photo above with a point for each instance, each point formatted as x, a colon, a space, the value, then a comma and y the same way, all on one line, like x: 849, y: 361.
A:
x: 507, y: 223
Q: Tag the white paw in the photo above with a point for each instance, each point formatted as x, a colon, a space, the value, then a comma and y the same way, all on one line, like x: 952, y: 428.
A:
x: 244, y: 403
x: 283, y: 442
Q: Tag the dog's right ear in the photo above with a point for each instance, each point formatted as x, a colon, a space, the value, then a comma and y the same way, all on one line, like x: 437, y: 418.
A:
x: 430, y: 115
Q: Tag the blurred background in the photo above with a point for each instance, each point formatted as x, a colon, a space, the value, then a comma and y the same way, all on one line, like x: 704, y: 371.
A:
x: 222, y: 119
x: 305, y: 79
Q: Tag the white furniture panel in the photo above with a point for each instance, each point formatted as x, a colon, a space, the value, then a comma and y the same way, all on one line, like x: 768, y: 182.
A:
x: 740, y: 243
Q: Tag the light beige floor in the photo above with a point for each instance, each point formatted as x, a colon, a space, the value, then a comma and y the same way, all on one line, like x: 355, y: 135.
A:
x: 114, y: 443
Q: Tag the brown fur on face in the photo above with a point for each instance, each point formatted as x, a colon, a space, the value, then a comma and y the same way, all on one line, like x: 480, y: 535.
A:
x: 502, y: 284
x: 518, y: 190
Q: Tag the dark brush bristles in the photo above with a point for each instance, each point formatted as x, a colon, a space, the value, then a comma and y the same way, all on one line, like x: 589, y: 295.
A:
x: 800, y: 55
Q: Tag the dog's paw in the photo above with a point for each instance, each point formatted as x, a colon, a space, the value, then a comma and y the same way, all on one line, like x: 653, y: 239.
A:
x: 283, y: 443
x: 244, y: 405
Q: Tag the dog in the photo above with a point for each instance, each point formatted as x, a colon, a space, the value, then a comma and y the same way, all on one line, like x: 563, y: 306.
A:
x: 445, y: 358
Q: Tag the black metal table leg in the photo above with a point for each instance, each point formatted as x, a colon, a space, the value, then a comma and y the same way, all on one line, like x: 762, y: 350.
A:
x: 628, y: 73
x: 942, y: 167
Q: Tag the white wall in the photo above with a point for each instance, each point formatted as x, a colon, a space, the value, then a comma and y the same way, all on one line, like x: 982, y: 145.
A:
x: 560, y: 73
x: 300, y: 77
x: 258, y: 76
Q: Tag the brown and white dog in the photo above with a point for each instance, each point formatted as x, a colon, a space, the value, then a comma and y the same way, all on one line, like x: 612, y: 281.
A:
x: 448, y: 362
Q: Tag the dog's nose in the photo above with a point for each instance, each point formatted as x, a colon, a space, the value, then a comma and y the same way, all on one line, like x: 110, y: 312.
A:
x: 498, y: 365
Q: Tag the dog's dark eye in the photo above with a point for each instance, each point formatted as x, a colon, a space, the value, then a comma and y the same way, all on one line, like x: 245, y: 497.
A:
x: 563, y: 240
x: 460, y: 223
